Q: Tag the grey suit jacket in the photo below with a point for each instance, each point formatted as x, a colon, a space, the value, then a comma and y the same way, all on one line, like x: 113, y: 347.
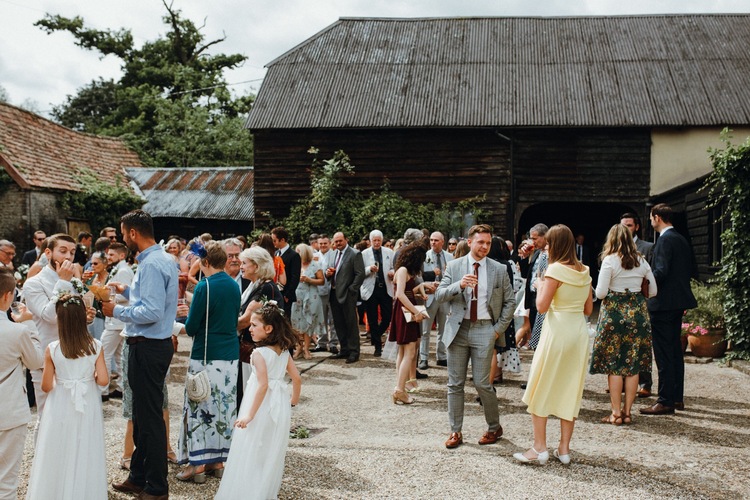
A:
x: 349, y: 276
x: 646, y: 248
x: 368, y: 285
x: 501, y: 300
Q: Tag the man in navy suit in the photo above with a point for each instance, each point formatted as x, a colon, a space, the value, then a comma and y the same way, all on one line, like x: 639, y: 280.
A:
x: 292, y: 267
x: 672, y: 265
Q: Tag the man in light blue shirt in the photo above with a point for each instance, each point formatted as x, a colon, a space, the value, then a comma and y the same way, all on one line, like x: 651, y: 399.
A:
x: 149, y: 318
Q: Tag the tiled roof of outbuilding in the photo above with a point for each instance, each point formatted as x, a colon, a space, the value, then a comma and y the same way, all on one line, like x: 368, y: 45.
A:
x: 205, y: 193
x: 666, y: 70
x: 38, y: 153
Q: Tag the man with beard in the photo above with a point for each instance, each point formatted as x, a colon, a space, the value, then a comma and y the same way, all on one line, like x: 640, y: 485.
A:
x: 149, y: 318
x: 41, y: 292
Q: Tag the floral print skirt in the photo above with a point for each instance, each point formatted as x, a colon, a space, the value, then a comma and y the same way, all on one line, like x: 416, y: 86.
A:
x: 623, y: 336
x: 206, y: 427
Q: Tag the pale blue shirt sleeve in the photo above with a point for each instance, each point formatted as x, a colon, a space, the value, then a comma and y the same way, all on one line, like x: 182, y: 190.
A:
x: 149, y: 306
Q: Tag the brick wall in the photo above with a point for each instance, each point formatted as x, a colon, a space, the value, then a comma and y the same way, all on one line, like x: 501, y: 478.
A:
x: 27, y: 211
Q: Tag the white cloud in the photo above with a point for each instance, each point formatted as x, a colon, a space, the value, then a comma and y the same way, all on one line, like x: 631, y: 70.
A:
x: 46, y: 68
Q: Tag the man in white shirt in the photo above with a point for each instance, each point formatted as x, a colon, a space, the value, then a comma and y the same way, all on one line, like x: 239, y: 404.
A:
x: 112, y: 338
x: 41, y: 292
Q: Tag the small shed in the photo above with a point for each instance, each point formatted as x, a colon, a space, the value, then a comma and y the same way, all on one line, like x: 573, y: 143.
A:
x: 39, y: 162
x: 191, y: 201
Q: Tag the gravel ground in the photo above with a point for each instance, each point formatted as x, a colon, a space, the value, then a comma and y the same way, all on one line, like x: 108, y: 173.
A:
x: 363, y: 446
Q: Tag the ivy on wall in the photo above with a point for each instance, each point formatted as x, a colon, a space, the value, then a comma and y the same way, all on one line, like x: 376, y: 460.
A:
x: 728, y: 185
x: 100, y: 203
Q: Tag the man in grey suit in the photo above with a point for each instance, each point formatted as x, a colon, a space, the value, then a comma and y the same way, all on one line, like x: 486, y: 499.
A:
x: 346, y: 274
x: 645, y: 248
x: 434, y: 265
x: 481, y: 304
x: 633, y: 222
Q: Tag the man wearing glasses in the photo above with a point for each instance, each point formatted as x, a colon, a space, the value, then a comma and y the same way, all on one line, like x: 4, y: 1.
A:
x: 109, y: 232
x: 32, y: 255
x: 7, y: 252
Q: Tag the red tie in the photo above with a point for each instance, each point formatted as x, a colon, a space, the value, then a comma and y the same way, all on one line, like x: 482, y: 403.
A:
x: 475, y: 297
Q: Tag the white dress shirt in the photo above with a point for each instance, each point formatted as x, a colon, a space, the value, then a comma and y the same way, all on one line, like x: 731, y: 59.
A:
x: 482, y: 310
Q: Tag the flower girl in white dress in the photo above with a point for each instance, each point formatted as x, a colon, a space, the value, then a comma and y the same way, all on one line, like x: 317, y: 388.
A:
x: 69, y: 458
x: 255, y: 464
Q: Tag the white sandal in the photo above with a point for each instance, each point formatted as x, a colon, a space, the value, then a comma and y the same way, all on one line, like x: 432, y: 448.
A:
x: 541, y: 458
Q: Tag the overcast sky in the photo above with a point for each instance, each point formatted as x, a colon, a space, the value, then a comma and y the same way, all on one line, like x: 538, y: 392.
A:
x: 44, y: 69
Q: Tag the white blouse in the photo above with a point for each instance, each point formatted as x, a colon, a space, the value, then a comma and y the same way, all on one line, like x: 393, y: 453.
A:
x: 613, y: 277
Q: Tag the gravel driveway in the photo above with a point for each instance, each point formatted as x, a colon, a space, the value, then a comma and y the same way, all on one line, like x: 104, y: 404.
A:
x: 363, y: 446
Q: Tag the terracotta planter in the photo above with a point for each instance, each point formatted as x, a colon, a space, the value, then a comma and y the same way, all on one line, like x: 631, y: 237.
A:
x: 713, y: 345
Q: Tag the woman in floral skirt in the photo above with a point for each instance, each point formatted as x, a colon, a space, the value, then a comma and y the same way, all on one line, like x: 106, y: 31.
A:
x: 622, y: 348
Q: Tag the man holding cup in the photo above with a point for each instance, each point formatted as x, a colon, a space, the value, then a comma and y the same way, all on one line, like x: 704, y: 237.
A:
x: 112, y: 339
x: 377, y: 288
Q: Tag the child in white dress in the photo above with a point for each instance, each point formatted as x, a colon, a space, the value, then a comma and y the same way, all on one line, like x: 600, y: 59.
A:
x: 255, y: 464
x: 69, y: 458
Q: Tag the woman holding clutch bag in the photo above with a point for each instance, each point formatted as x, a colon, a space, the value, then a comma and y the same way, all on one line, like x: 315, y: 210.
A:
x: 622, y: 347
x: 406, y: 333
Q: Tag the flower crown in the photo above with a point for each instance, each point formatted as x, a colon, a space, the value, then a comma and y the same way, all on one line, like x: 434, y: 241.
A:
x: 66, y: 298
x: 197, y: 248
x: 270, y: 305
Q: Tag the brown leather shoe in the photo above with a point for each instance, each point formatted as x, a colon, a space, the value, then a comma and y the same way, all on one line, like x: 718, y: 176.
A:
x: 127, y: 487
x: 643, y: 393
x: 147, y: 496
x: 657, y: 409
x: 679, y: 406
x: 454, y: 440
x: 491, y: 437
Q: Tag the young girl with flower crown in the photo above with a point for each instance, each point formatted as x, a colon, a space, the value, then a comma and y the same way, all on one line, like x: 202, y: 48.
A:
x: 261, y: 434
x: 69, y: 458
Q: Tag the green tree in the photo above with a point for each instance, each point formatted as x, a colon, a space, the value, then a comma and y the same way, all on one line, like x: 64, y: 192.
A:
x: 334, y: 206
x: 729, y: 186
x: 170, y: 78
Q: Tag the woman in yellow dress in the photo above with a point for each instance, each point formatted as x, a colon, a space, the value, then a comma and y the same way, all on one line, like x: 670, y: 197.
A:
x: 558, y: 370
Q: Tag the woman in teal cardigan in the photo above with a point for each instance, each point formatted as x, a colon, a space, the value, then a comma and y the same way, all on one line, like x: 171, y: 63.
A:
x: 206, y: 427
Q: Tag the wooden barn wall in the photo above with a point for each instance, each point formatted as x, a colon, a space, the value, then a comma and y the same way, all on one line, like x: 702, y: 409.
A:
x: 693, y: 221
x: 423, y: 165
x: 581, y: 165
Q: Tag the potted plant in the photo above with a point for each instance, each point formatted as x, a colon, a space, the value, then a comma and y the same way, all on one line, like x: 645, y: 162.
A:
x: 704, y: 325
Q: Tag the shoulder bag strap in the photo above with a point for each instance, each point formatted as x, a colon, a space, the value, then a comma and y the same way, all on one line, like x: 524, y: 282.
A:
x: 205, y: 344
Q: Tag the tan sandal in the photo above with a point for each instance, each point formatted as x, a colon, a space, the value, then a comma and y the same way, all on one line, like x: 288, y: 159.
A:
x: 612, y: 419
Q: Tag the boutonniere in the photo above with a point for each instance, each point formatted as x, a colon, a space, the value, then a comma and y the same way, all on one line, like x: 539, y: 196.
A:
x: 113, y: 272
x: 429, y: 260
x: 78, y: 286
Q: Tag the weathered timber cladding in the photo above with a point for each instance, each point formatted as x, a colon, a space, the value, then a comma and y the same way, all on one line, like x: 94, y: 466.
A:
x: 581, y: 165
x: 693, y: 221
x: 423, y: 165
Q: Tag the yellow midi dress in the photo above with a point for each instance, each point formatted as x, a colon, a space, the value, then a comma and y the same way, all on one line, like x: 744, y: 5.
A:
x: 558, y: 370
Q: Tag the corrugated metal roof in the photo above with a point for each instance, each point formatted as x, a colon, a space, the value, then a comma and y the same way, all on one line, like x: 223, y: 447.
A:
x: 205, y: 193
x: 669, y: 70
